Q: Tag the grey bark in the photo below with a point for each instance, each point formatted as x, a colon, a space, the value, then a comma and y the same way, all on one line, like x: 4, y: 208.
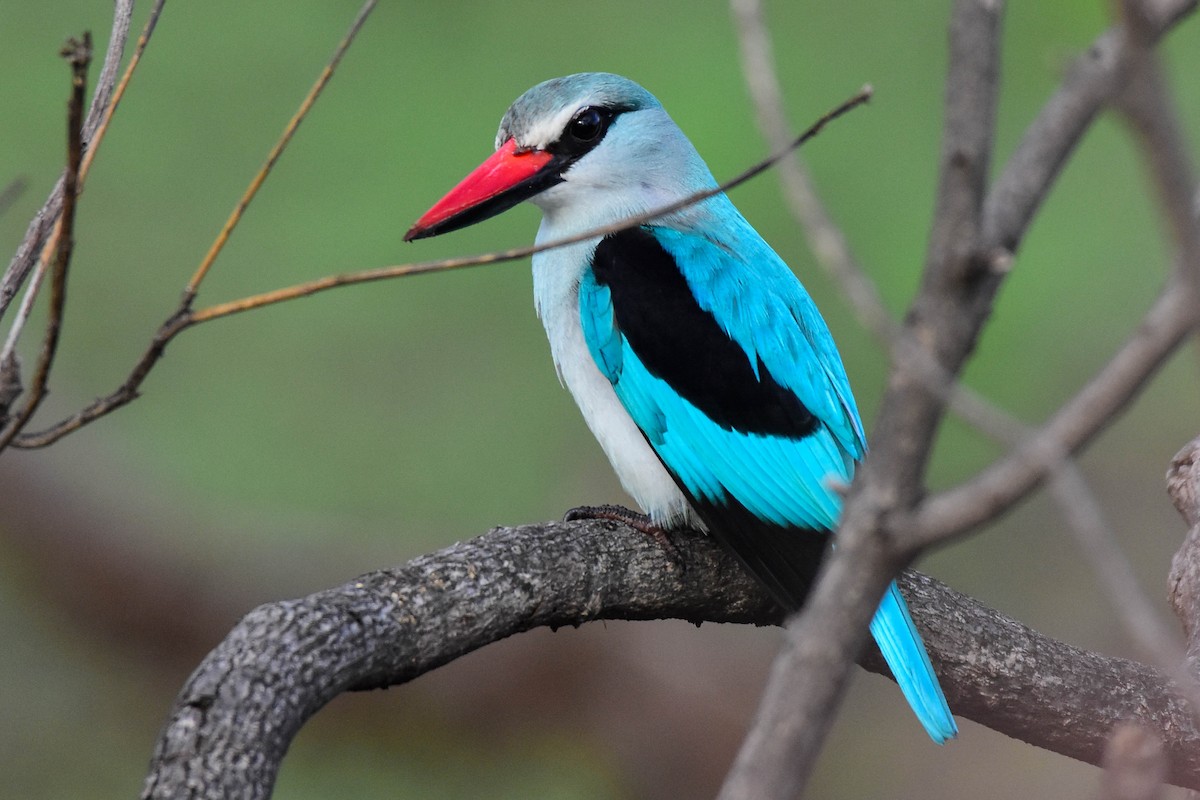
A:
x: 235, y: 717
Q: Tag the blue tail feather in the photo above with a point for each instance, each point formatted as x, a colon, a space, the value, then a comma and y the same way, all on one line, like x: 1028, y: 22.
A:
x: 905, y: 654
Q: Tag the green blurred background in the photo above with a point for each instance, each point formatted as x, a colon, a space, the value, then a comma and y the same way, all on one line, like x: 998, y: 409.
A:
x: 283, y: 451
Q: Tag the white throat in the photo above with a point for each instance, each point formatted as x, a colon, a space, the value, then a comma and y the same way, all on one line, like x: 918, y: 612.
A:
x: 556, y: 276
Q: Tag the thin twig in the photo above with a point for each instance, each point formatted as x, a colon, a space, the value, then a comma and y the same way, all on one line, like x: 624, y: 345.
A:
x: 184, y: 318
x: 47, y: 217
x: 119, y: 92
x: 99, y: 118
x: 285, y: 138
x: 956, y: 510
x: 513, y: 254
x: 181, y: 318
x: 826, y: 239
x: 105, y: 90
x: 79, y: 54
x: 126, y: 393
x: 1148, y: 109
x: 1090, y: 83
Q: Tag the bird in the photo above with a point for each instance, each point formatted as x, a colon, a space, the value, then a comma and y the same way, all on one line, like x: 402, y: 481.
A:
x: 696, y: 356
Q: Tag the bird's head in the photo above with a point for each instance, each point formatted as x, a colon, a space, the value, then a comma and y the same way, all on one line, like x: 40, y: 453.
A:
x: 588, y: 149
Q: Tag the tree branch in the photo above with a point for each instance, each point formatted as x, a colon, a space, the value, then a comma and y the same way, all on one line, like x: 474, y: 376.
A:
x: 1093, y: 80
x: 780, y: 752
x: 953, y: 511
x: 233, y: 720
x: 1119, y: 66
x: 285, y: 138
x: 1078, y: 505
x: 78, y: 53
x: 1147, y: 107
x: 47, y: 217
x: 969, y: 254
x: 958, y: 282
x: 182, y: 318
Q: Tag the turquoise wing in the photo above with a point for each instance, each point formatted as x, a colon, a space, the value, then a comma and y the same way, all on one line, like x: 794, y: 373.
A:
x: 720, y: 357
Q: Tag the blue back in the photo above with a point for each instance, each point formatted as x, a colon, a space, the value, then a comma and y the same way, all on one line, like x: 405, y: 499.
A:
x: 789, y: 481
x: 760, y: 305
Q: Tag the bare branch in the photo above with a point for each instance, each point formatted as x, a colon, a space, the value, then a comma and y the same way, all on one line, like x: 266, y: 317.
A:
x: 233, y: 720
x: 285, y: 138
x: 181, y: 319
x: 1078, y: 505
x: 1092, y: 81
x: 1003, y: 674
x: 972, y: 87
x: 1147, y: 107
x: 124, y: 394
x: 826, y: 239
x: 1003, y: 483
x: 962, y: 273
x: 1094, y: 536
x: 832, y: 627
x: 95, y: 128
x: 44, y: 221
x: 79, y: 55
x: 106, y: 80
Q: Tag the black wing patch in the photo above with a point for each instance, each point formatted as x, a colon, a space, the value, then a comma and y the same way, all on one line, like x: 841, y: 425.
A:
x: 784, y: 560
x: 682, y: 344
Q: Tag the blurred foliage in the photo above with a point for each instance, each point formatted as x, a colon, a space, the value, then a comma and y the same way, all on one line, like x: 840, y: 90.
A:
x: 297, y: 445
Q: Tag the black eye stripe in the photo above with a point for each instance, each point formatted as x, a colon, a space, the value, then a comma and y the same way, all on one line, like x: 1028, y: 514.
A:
x: 585, y: 130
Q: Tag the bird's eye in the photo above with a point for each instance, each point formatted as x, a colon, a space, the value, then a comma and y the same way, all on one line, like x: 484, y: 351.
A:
x: 588, y: 124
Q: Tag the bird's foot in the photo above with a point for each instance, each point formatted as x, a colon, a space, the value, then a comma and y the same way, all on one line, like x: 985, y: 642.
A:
x: 634, y: 519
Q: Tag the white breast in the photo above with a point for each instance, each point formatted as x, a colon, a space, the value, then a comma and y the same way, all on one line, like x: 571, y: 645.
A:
x: 556, y: 276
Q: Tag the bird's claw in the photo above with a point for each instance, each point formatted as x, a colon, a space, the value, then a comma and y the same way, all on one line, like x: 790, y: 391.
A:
x: 634, y: 519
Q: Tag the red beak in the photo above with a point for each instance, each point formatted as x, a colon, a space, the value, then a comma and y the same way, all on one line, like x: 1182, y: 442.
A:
x: 506, y: 178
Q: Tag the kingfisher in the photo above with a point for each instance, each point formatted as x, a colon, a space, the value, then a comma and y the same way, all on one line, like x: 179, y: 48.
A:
x: 698, y: 359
